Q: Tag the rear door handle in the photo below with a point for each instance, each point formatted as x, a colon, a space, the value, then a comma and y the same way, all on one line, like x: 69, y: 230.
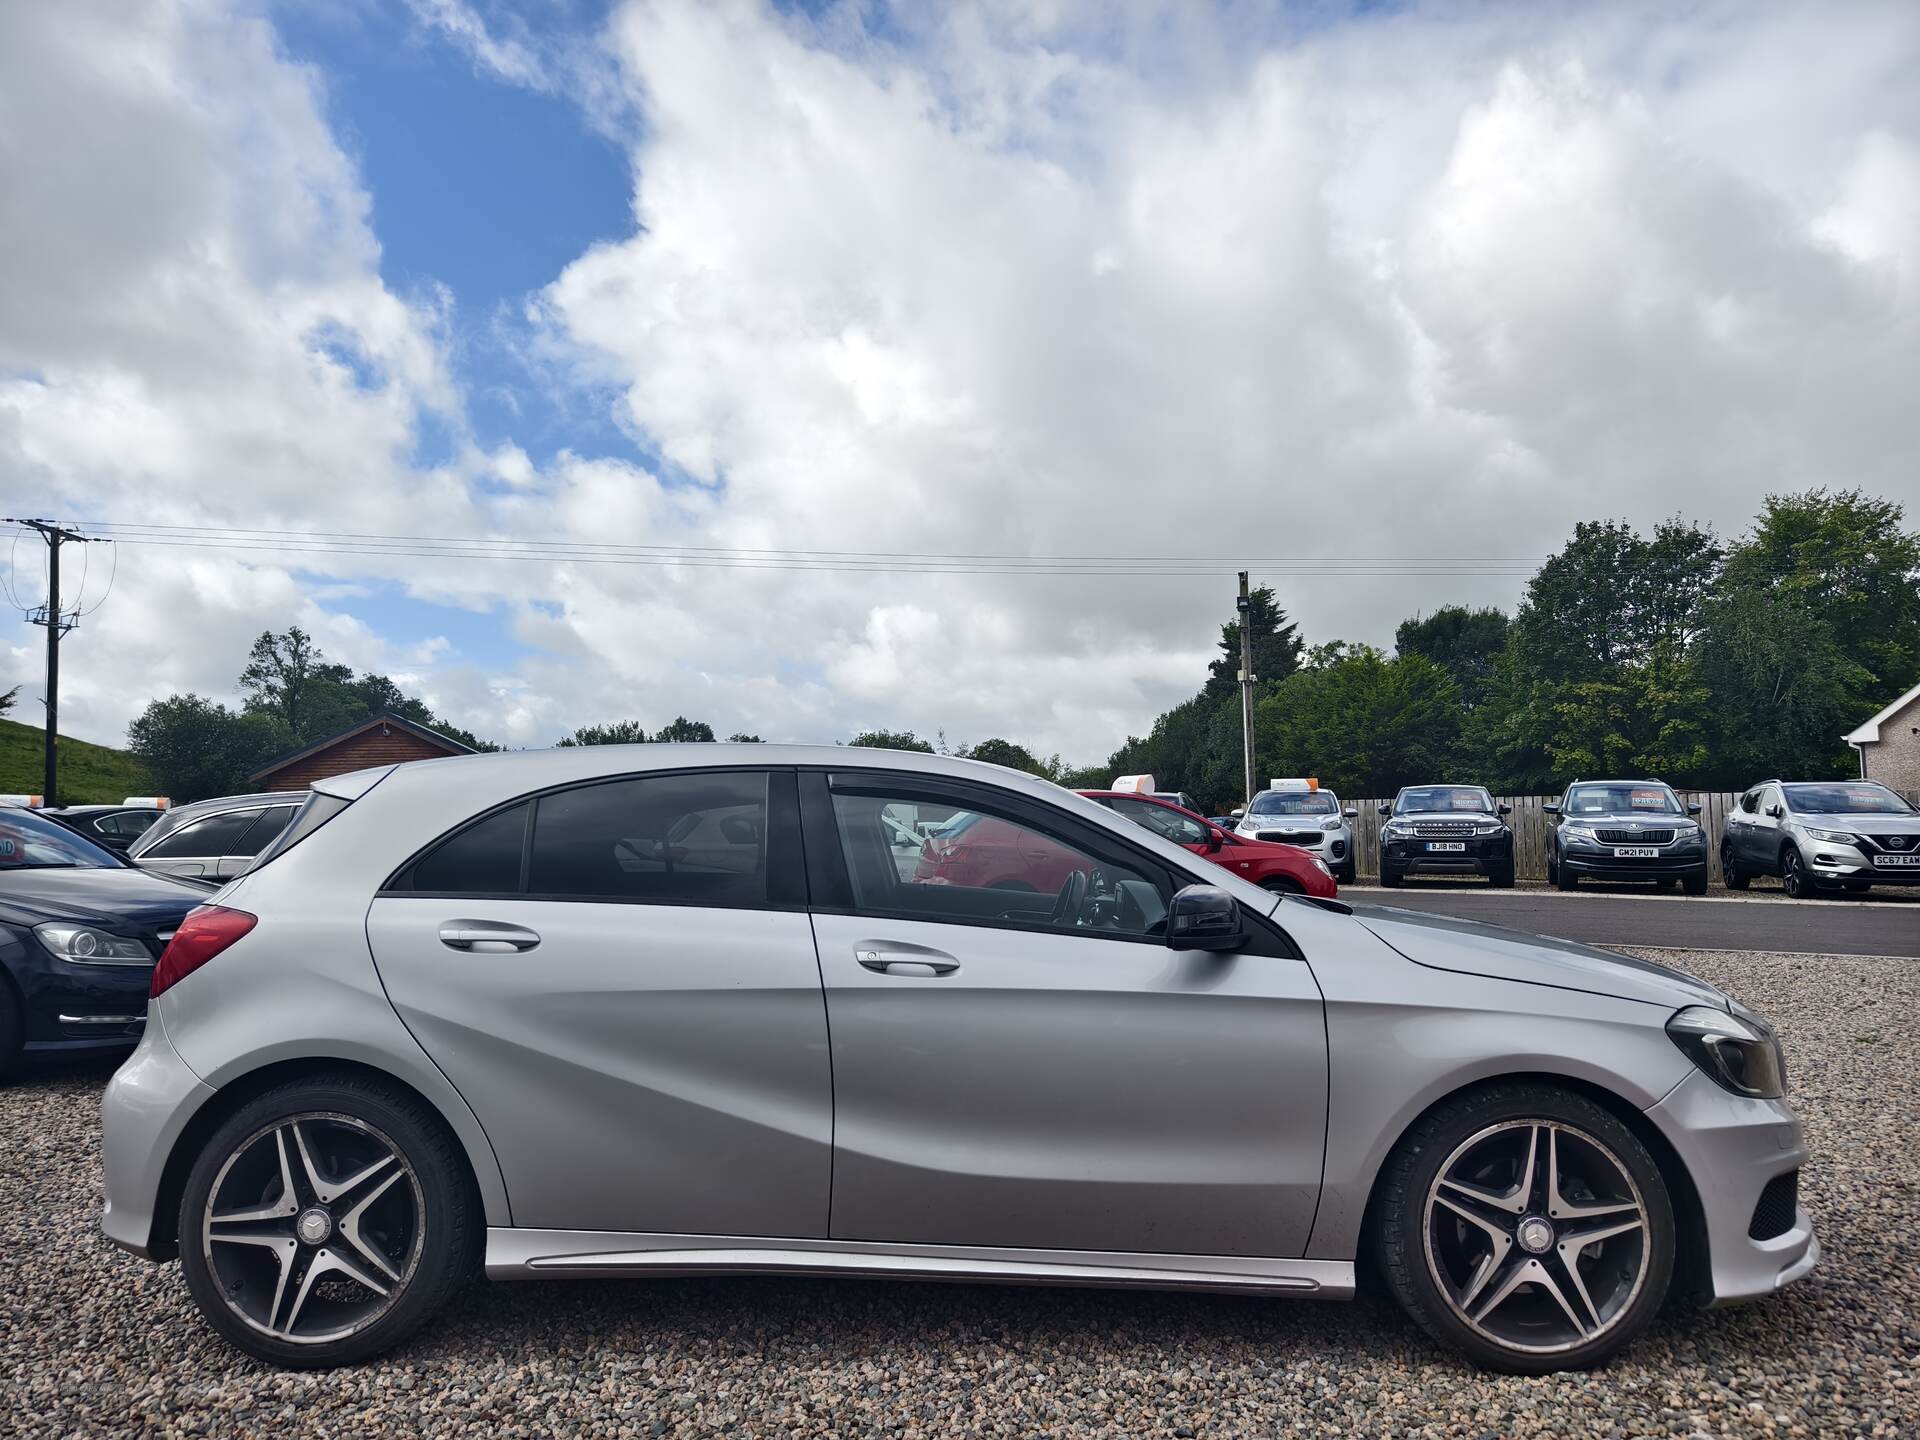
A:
x: 910, y: 962
x: 486, y: 937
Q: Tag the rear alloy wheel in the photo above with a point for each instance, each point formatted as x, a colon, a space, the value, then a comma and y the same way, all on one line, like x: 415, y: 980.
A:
x: 1528, y: 1227
x: 1794, y: 878
x: 1730, y: 871
x: 325, y: 1221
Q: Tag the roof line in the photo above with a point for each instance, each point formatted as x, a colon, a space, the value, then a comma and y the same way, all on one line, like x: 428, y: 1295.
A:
x: 1869, y: 733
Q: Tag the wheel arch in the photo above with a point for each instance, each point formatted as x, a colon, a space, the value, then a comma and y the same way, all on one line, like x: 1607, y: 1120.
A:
x: 1692, y: 1270
x: 164, y: 1240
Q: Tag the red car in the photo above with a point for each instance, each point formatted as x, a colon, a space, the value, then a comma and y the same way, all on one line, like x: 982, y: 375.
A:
x: 1267, y: 864
x: 982, y: 852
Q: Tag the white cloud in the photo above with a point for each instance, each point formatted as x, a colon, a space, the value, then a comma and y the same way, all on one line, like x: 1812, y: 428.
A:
x: 986, y: 279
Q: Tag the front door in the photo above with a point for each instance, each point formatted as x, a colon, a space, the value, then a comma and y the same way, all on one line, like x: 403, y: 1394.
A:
x: 1035, y: 1069
x: 619, y: 977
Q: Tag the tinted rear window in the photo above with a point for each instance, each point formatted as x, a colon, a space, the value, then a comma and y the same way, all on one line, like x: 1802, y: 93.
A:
x: 215, y: 835
x: 694, y: 838
x: 483, y: 859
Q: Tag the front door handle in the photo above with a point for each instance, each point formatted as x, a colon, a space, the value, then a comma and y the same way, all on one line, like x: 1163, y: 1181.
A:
x: 911, y: 962
x: 486, y: 937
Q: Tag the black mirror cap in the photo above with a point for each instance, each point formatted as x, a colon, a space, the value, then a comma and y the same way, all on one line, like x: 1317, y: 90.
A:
x: 1204, y: 917
x: 1386, y: 807
x: 1693, y: 809
x: 1552, y: 807
x: 1506, y: 809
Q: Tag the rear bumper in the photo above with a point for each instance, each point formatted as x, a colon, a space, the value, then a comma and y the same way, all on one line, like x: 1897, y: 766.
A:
x: 1732, y: 1147
x: 146, y: 1106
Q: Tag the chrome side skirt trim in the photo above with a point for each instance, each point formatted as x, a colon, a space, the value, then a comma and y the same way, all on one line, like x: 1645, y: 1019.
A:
x: 563, y: 1254
x: 121, y: 1020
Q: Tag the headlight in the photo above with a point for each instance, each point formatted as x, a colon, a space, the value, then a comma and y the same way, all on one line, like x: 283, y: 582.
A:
x: 1578, y: 832
x: 1331, y: 824
x: 1321, y: 866
x: 1396, y: 827
x: 1739, y: 1054
x: 1833, y: 837
x: 83, y: 945
x: 1487, y: 827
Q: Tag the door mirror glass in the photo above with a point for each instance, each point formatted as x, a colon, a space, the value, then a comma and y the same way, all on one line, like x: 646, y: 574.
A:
x: 1204, y: 917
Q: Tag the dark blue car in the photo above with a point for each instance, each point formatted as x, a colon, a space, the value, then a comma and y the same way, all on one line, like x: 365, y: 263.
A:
x: 80, y: 930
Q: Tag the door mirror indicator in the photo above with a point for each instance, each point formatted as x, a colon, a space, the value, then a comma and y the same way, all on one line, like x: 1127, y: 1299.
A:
x: 1204, y: 917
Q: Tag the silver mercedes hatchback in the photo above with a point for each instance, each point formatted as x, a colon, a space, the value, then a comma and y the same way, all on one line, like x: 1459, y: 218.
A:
x: 667, y: 1010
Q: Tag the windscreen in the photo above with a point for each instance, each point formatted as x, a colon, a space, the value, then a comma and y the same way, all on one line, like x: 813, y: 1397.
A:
x: 1622, y: 799
x: 32, y: 842
x: 1293, y: 802
x: 1453, y: 799
x: 1840, y: 798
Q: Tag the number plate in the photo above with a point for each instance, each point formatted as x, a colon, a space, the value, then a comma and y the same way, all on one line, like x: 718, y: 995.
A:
x: 1457, y: 847
x: 1891, y: 860
x: 1636, y: 852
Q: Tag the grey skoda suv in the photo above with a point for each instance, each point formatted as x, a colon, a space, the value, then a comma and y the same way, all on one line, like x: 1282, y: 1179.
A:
x: 679, y: 1009
x: 1821, y: 836
x: 1626, y: 830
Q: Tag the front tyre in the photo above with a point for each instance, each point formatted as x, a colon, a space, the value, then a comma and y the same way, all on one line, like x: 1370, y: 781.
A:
x: 1794, y: 878
x: 1526, y: 1226
x: 13, y: 1030
x: 1695, y: 883
x: 326, y: 1220
x: 1563, y: 877
x: 1390, y: 878
x: 1500, y: 877
x: 1730, y: 871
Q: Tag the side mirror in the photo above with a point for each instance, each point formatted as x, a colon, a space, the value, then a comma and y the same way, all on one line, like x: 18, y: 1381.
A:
x: 1504, y: 809
x: 1352, y: 812
x: 1693, y: 809
x: 1216, y: 837
x: 1773, y: 810
x: 1386, y: 807
x: 1204, y: 917
x: 1552, y: 807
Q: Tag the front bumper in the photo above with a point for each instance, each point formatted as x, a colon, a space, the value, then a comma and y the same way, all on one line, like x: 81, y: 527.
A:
x: 1674, y: 861
x: 71, y: 1007
x: 1732, y: 1147
x: 146, y: 1106
x: 1483, y: 854
x: 1334, y: 848
x: 1832, y: 863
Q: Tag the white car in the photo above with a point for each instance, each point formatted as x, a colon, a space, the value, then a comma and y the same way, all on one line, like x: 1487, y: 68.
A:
x: 1299, y: 812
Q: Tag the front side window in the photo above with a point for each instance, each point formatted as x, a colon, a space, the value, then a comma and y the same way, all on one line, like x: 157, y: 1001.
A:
x: 1750, y: 802
x: 203, y: 839
x: 985, y: 868
x: 1163, y: 821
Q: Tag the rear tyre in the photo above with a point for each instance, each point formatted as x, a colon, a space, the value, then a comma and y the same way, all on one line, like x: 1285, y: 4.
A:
x: 326, y: 1220
x: 1730, y: 871
x: 1696, y: 883
x: 1526, y: 1226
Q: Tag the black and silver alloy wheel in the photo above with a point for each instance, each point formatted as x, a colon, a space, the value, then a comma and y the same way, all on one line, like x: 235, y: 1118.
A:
x: 1536, y: 1236
x: 1526, y: 1225
x: 326, y: 1219
x: 1793, y: 875
x: 313, y: 1228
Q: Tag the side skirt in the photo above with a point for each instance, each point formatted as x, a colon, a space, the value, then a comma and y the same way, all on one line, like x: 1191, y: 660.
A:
x: 515, y: 1254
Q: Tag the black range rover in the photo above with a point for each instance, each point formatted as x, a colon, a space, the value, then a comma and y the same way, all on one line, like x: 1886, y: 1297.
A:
x: 1445, y: 830
x: 1626, y: 830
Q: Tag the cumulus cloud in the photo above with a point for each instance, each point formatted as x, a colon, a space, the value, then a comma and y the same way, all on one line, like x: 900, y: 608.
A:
x: 991, y: 279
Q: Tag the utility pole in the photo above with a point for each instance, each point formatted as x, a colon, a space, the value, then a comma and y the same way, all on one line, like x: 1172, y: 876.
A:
x: 1246, y: 681
x: 57, y: 625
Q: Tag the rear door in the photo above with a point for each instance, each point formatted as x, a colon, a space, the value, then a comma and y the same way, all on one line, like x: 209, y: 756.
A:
x: 1040, y: 1071
x: 620, y: 979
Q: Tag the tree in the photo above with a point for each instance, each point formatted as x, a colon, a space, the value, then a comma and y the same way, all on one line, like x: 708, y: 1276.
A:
x: 280, y: 679
x: 682, y: 731
x: 1005, y: 752
x: 7, y: 700
x: 1276, y: 647
x: 195, y: 748
x: 1647, y: 719
x: 741, y: 738
x: 1364, y: 724
x: 620, y: 732
x: 891, y: 740
x: 1465, y: 643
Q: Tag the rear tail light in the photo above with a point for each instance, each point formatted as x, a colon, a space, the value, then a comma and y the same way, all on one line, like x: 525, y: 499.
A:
x: 205, y: 932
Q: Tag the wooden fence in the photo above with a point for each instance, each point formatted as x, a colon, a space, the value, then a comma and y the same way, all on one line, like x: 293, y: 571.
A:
x: 1533, y: 830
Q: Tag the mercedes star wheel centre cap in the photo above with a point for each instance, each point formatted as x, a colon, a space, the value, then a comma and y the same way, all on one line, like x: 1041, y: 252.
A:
x: 314, y: 1225
x: 1536, y: 1235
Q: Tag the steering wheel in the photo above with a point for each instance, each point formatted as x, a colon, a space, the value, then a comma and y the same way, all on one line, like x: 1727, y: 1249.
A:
x: 1066, y: 905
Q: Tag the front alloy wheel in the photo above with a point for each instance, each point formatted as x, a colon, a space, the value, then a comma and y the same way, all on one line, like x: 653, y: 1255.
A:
x: 1526, y: 1226
x: 1793, y: 876
x: 325, y: 1220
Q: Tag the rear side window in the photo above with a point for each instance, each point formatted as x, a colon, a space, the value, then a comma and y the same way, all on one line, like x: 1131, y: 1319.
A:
x: 215, y: 835
x: 693, y: 838
x: 314, y: 812
x: 271, y: 822
x: 483, y: 859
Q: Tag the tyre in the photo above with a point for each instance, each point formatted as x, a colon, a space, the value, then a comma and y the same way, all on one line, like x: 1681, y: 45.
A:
x: 1390, y: 877
x: 1500, y: 877
x: 1564, y: 877
x: 326, y: 1220
x: 13, y: 1031
x: 1696, y: 883
x: 1794, y: 878
x: 1345, y: 874
x: 1525, y: 1226
x: 1730, y: 871
x: 1280, y: 885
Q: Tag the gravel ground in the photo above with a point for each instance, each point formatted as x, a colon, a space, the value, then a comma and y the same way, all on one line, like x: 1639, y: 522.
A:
x: 95, y: 1342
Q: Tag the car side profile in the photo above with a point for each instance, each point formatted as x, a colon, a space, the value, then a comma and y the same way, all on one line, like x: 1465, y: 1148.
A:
x: 1821, y: 836
x: 1284, y: 868
x: 497, y: 1013
x: 1626, y: 830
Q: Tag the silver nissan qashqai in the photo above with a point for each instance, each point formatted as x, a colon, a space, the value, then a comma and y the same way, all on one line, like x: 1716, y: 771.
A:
x: 666, y: 1010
